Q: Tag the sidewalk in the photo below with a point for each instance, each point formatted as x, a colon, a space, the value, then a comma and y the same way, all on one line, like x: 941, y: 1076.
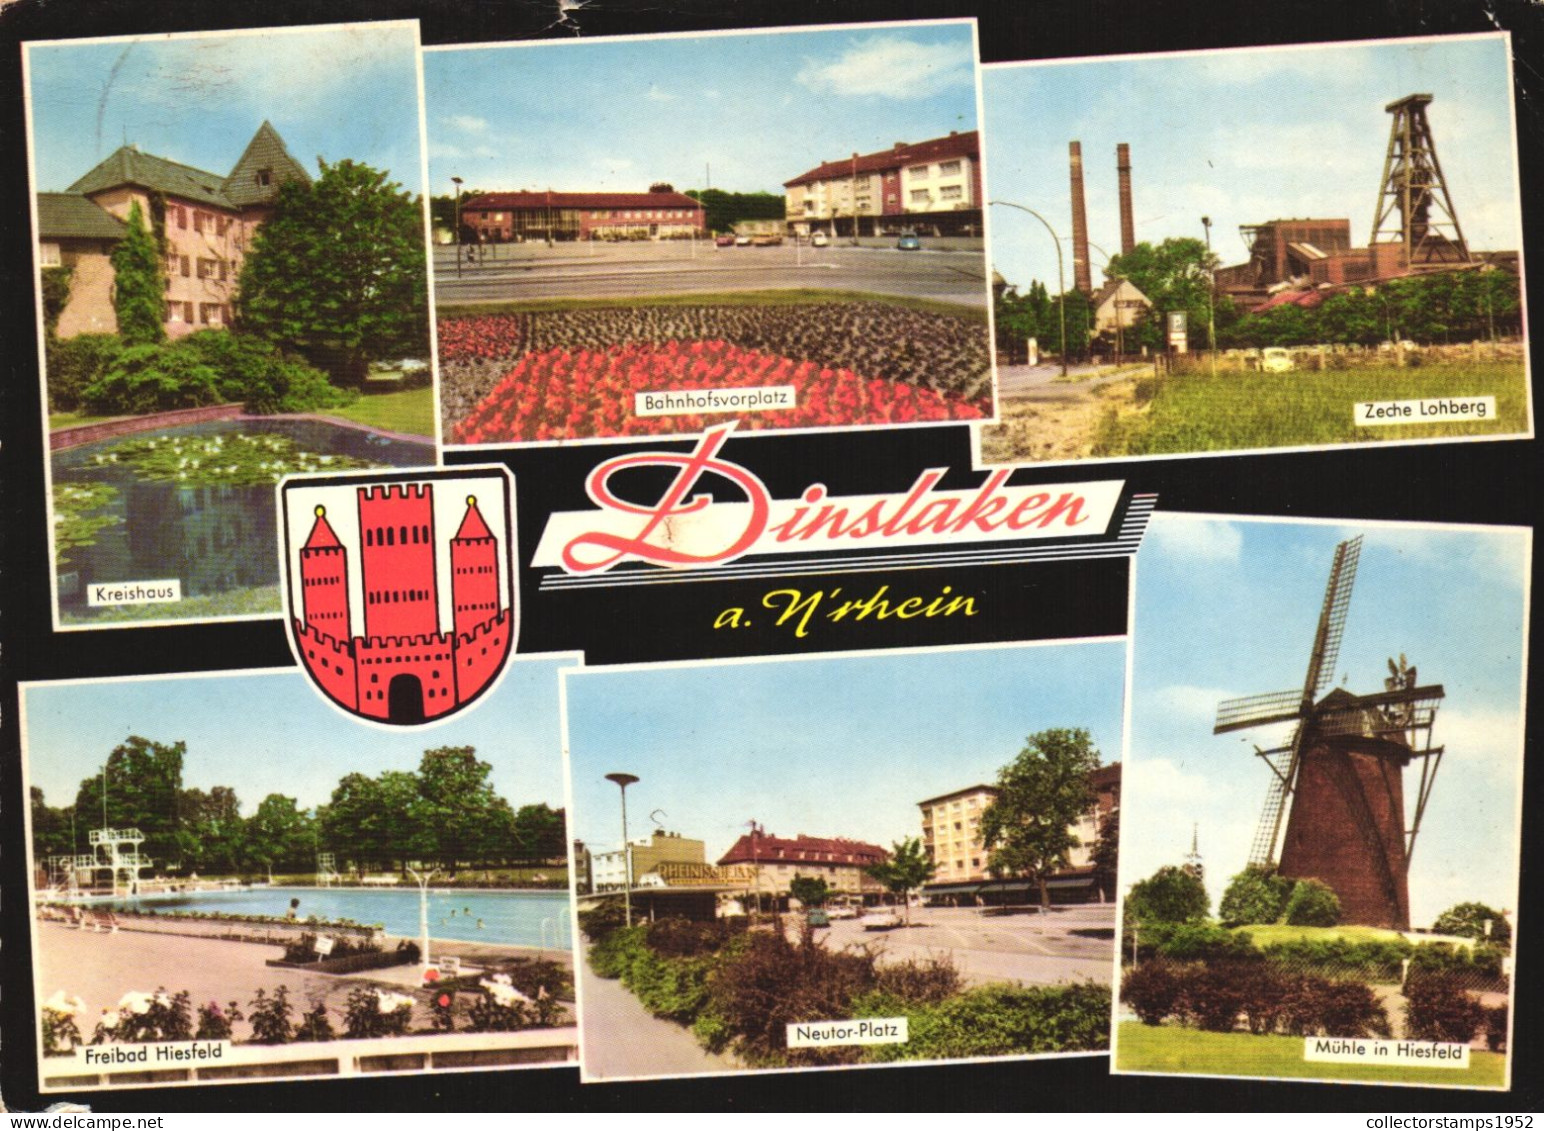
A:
x: 619, y: 1039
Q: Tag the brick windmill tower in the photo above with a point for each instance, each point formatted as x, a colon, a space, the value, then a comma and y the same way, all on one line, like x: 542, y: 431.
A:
x: 1339, y: 781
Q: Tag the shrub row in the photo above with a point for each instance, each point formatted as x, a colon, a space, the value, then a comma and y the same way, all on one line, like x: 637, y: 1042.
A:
x: 1266, y: 999
x: 98, y: 373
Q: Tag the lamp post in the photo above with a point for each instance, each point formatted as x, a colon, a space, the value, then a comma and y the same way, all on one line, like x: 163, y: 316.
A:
x: 623, y: 781
x: 457, y: 182
x: 1061, y: 289
x: 1211, y: 294
x: 423, y: 879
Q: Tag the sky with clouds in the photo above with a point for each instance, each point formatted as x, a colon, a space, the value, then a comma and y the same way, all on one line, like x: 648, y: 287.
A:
x: 1227, y: 608
x: 751, y: 111
x: 271, y: 733
x: 1242, y: 137
x: 346, y: 91
x: 831, y: 746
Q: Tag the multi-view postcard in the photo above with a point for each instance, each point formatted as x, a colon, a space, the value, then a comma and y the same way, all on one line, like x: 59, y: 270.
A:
x: 232, y: 287
x: 870, y: 859
x: 1321, y: 881
x: 650, y: 236
x: 1241, y: 251
x: 316, y: 898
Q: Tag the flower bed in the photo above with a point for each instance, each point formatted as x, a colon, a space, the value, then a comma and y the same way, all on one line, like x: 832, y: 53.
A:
x: 560, y: 395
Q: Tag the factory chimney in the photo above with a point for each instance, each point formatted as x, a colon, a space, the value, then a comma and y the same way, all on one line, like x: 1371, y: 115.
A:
x: 1128, y: 230
x: 1081, y: 277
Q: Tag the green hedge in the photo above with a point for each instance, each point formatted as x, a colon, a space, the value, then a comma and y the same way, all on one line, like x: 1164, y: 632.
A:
x: 996, y: 1020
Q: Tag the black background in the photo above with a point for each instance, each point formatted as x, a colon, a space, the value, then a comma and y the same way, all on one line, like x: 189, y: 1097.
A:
x: 1463, y: 483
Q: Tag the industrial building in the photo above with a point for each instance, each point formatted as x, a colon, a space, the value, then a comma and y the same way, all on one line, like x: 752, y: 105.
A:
x: 930, y: 187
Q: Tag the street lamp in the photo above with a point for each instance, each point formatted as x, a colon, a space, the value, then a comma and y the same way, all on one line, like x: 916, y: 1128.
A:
x: 457, y: 182
x: 422, y: 879
x: 1061, y: 289
x: 625, y: 780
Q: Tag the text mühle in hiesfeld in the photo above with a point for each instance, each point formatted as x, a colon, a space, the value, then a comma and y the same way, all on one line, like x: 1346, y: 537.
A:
x: 751, y: 244
x: 811, y: 879
x: 401, y: 591
x: 217, y: 902
x: 1242, y: 304
x: 1358, y: 925
x: 215, y: 309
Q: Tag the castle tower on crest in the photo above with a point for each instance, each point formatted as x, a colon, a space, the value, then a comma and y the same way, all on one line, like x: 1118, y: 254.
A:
x: 324, y: 573
x: 396, y: 525
x: 474, y: 572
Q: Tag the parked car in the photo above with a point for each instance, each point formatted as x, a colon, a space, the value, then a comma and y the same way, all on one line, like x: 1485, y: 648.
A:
x: 909, y: 242
x: 817, y: 917
x: 742, y: 241
x: 881, y: 919
x: 820, y: 239
x: 1275, y: 359
x: 841, y: 911
x: 725, y: 240
x: 768, y: 241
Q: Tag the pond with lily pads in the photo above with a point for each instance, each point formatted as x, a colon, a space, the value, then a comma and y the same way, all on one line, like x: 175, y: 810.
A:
x: 194, y: 503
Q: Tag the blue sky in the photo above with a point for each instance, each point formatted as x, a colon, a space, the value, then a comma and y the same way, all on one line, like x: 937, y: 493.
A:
x: 271, y: 733
x: 1228, y: 608
x: 335, y: 92
x: 614, y: 115
x: 1243, y: 137
x: 832, y: 746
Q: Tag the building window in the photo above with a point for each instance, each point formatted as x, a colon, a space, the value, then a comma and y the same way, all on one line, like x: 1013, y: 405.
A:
x: 921, y: 196
x: 222, y: 224
x: 917, y: 171
x: 949, y: 169
x: 187, y: 266
x: 951, y: 192
x: 264, y: 176
x: 211, y: 313
x: 199, y: 219
x: 182, y: 217
x: 207, y: 268
x: 48, y: 254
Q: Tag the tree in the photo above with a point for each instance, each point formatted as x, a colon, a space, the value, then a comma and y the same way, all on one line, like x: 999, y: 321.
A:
x: 1313, y: 903
x: 1169, y: 895
x: 281, y: 835
x: 1255, y: 895
x: 52, y: 833
x: 1028, y: 829
x: 138, y: 286
x: 811, y: 891
x: 722, y: 210
x: 908, y: 868
x: 458, y: 804
x: 539, y: 832
x: 1106, y: 854
x: 144, y: 788
x: 1175, y: 275
x: 1470, y: 921
x: 337, y: 272
x: 212, y: 834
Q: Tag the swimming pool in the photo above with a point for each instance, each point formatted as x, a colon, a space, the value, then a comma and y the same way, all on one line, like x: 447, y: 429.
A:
x: 214, y: 539
x: 506, y: 918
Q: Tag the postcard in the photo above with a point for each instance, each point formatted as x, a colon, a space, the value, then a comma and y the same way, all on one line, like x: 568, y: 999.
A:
x: 1322, y: 882
x: 321, y: 898
x: 1199, y: 275
x: 232, y: 287
x: 838, y: 873
x: 786, y: 230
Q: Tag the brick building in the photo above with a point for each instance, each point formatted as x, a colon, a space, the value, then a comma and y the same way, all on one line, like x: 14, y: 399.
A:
x: 951, y: 834
x: 208, y: 221
x: 931, y: 187
x: 505, y: 217
x: 775, y: 861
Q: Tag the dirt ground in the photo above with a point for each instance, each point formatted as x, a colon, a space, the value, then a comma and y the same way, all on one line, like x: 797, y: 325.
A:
x: 1061, y: 428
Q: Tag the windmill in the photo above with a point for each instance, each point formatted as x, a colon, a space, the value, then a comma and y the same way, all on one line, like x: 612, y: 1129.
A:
x: 1338, y: 782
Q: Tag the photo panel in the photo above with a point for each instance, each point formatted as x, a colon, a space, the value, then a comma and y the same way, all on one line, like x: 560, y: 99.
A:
x: 845, y: 860
x: 1321, y: 882
x: 648, y: 236
x: 1184, y: 264
x: 232, y: 287
x: 320, y: 898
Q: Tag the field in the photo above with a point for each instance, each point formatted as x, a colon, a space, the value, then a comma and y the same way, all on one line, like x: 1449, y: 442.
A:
x: 1245, y: 411
x: 410, y: 412
x: 1170, y: 1049
x: 572, y: 370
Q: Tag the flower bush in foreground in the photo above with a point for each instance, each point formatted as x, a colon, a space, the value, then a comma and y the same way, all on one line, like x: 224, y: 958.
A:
x: 60, y: 1032
x: 559, y: 394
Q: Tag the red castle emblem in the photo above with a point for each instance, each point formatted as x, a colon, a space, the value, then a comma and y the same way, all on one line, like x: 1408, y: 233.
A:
x: 403, y: 668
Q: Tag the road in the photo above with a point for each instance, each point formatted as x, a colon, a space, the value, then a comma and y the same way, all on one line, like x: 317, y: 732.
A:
x: 526, y: 272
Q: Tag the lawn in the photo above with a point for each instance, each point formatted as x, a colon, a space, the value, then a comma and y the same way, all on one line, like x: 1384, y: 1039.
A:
x: 1170, y: 1049
x: 58, y: 420
x: 409, y: 411
x: 259, y: 601
x: 1264, y: 934
x: 1245, y: 411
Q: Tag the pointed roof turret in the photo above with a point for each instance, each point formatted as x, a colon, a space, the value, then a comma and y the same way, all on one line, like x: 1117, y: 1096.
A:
x: 266, y: 164
x: 322, y: 536
x: 472, y: 526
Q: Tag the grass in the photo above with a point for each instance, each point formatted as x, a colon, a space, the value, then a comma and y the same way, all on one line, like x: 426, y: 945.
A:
x: 1170, y: 1049
x: 58, y: 420
x: 1264, y: 934
x: 1245, y: 411
x: 410, y: 411
x: 795, y: 297
x: 260, y: 601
